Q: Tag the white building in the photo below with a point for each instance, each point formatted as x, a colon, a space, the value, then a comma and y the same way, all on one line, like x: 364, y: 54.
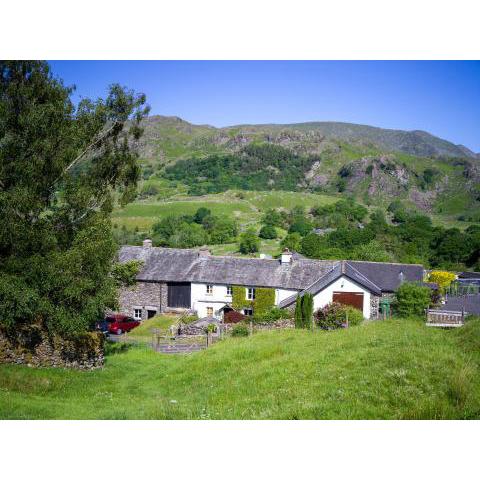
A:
x: 193, y: 280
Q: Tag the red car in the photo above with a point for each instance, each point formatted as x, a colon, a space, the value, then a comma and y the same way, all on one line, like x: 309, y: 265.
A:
x: 119, y: 323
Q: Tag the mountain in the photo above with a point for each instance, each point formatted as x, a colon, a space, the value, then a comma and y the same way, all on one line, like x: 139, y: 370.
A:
x: 373, y: 164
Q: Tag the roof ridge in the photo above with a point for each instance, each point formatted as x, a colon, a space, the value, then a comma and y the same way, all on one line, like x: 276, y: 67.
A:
x: 363, y: 276
x: 386, y: 263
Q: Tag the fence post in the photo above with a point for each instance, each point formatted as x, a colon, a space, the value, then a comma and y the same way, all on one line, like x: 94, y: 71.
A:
x: 251, y: 327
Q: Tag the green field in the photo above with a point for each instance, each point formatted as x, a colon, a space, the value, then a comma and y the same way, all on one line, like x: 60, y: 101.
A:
x: 397, y: 369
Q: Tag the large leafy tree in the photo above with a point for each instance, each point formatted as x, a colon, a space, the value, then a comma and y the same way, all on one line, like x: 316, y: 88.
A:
x: 62, y: 168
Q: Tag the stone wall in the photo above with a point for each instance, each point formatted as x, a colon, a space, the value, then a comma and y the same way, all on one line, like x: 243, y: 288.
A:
x: 143, y: 295
x: 32, y: 346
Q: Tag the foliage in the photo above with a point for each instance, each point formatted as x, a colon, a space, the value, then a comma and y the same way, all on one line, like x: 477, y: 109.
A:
x: 60, y: 166
x: 441, y: 278
x: 354, y: 315
x: 256, y: 167
x: 271, y: 315
x: 411, y: 299
x: 372, y: 251
x: 125, y: 273
x: 200, y: 214
x: 264, y: 300
x: 298, y: 312
x: 240, y: 330
x: 291, y: 241
x: 263, y: 303
x: 273, y: 218
x: 331, y: 316
x: 307, y: 310
x: 239, y: 298
x: 268, y: 232
x: 249, y: 242
x: 300, y: 225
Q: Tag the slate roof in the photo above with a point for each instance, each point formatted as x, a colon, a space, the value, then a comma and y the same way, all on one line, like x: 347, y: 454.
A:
x: 387, y: 275
x: 342, y: 268
x: 471, y: 304
x: 187, y: 265
x: 469, y: 275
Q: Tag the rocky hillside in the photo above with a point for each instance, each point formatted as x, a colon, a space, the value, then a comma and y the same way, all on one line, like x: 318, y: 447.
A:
x: 373, y: 164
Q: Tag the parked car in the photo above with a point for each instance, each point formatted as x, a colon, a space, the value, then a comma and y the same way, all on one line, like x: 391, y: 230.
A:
x: 119, y: 323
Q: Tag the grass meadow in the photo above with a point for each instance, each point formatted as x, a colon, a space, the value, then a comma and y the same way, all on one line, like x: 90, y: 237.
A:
x: 395, y: 369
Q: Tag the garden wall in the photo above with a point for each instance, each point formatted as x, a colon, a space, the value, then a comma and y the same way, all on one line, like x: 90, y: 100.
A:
x: 31, y: 345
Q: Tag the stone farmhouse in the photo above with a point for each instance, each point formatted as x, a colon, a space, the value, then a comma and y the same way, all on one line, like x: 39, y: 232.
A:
x: 182, y: 280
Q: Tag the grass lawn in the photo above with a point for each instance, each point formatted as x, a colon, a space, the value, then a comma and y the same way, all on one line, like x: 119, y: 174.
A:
x: 144, y: 330
x: 391, y: 369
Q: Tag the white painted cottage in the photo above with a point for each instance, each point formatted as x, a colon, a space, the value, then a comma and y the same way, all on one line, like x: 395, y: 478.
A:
x: 193, y: 280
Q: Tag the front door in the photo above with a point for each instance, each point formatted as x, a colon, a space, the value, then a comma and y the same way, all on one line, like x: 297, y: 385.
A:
x: 179, y: 294
x: 349, y: 298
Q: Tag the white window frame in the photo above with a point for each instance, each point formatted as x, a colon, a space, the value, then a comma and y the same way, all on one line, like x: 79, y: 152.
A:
x: 249, y: 310
x: 209, y: 289
x: 135, y: 316
x: 250, y: 293
x: 229, y: 290
x: 213, y: 311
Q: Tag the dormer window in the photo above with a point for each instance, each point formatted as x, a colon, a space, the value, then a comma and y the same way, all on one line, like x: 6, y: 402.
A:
x: 250, y: 293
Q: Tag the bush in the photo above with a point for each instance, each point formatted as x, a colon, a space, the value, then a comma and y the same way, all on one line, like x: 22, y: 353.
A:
x: 272, y: 315
x: 441, y: 278
x: 411, y: 299
x: 268, y: 232
x: 249, y: 242
x: 240, y: 330
x: 334, y: 315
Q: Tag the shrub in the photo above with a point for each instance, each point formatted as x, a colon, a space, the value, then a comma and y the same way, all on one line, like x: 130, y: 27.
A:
x: 272, y: 315
x: 240, y: 330
x: 249, y: 242
x: 332, y: 316
x: 355, y: 316
x: 307, y: 310
x: 268, y: 232
x: 292, y: 241
x: 411, y: 299
x: 441, y: 278
x: 298, y: 313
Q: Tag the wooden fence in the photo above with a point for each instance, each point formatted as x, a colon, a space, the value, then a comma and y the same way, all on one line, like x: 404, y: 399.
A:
x: 444, y: 318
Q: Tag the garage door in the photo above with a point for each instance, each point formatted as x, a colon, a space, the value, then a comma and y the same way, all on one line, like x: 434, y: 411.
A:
x: 349, y: 298
x: 179, y: 295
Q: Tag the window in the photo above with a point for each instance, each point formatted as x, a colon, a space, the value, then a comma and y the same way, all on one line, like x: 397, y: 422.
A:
x: 137, y: 313
x: 209, y: 289
x: 250, y: 294
x: 209, y: 311
x: 229, y: 290
x: 248, y: 311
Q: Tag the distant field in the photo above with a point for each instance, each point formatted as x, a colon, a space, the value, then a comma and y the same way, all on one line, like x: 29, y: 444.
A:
x: 395, y: 369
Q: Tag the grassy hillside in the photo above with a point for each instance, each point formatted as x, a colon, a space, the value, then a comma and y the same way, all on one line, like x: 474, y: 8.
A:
x: 390, y: 369
x: 372, y: 164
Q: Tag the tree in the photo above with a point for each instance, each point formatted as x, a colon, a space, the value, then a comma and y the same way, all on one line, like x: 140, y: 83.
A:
x: 442, y: 279
x: 300, y: 225
x: 61, y: 169
x: 298, y: 313
x: 372, y: 251
x: 200, y: 214
x: 273, y: 217
x: 268, y: 232
x: 307, y: 310
x: 188, y: 235
x: 411, y: 299
x: 249, y: 242
x: 292, y: 242
x: 223, y: 230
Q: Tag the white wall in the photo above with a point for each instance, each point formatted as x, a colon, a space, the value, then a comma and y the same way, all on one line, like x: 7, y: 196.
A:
x: 343, y: 284
x: 219, y: 298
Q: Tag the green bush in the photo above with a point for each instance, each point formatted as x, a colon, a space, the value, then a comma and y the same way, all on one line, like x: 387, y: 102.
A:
x: 240, y: 330
x: 268, y: 232
x: 355, y: 316
x: 272, y: 315
x: 249, y: 242
x: 334, y: 315
x: 411, y: 299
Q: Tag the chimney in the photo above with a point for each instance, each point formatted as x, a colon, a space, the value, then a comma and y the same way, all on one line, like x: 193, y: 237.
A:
x: 147, y: 243
x: 286, y: 257
x: 204, y: 252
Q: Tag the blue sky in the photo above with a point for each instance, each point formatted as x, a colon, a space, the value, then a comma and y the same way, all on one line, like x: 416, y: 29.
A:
x: 442, y: 98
